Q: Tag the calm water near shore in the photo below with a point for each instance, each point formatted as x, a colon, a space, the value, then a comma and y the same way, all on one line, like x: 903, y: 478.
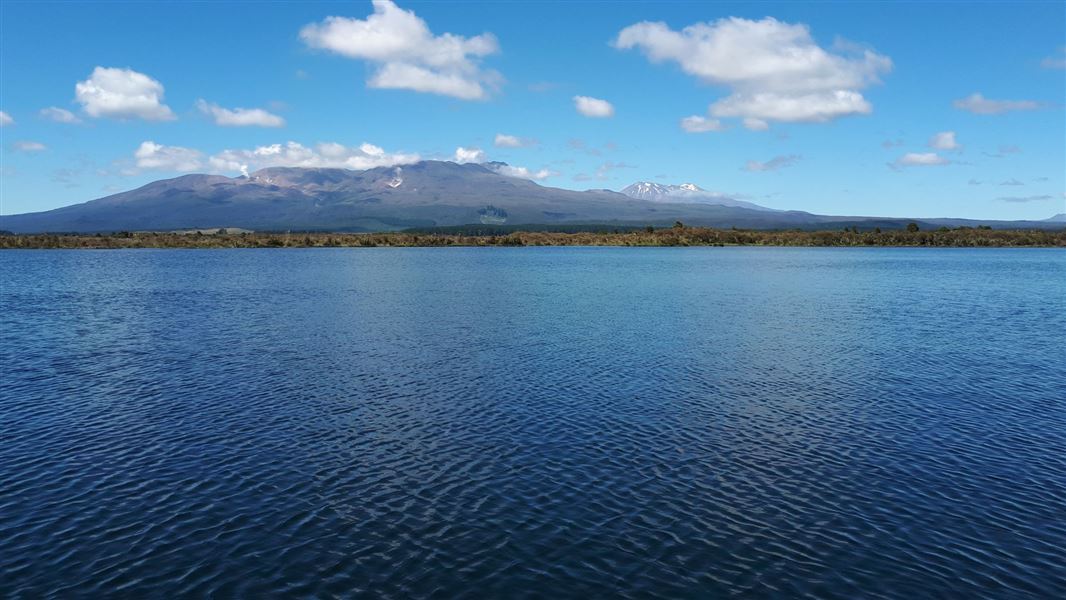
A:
x: 553, y: 422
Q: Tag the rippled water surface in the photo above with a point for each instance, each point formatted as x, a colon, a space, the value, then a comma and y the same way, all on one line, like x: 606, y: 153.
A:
x: 553, y: 422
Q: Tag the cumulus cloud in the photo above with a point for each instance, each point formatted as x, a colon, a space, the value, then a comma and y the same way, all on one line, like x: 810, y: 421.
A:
x: 5, y: 119
x: 775, y: 71
x: 469, y: 155
x: 421, y: 79
x: 407, y: 54
x: 239, y: 117
x: 522, y: 172
x: 979, y: 105
x: 29, y: 146
x: 775, y: 163
x: 1055, y: 61
x: 59, y: 115
x: 698, y: 124
x: 593, y: 107
x: 477, y: 155
x: 122, y: 94
x: 157, y: 157
x: 944, y: 140
x: 293, y: 154
x: 920, y: 159
x: 759, y: 108
x: 510, y: 141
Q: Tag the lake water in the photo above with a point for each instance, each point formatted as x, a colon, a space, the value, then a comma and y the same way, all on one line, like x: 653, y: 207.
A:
x: 552, y: 422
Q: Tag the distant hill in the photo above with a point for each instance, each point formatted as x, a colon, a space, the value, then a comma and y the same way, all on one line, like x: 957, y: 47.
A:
x: 1059, y: 218
x: 420, y: 195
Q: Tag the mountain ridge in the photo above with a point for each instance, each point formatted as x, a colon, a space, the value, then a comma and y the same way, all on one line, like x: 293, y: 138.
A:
x: 421, y: 194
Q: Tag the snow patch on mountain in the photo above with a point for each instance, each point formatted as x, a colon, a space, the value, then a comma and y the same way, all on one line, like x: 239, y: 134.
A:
x: 685, y: 193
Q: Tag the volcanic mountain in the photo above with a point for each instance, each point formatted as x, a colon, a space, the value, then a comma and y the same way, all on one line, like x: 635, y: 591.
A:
x: 684, y: 193
x: 423, y: 194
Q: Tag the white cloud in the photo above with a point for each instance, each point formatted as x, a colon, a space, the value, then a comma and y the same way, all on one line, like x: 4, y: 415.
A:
x: 156, y: 157
x: 5, y: 119
x: 1055, y: 61
x: 978, y: 104
x: 399, y: 76
x: 59, y: 115
x: 122, y: 94
x: 29, y: 146
x: 239, y: 117
x: 469, y: 155
x: 920, y: 159
x: 944, y: 140
x: 510, y: 141
x: 522, y: 172
x: 775, y: 71
x: 407, y: 54
x: 324, y: 155
x: 477, y: 155
x: 593, y: 107
x: 698, y: 124
x: 773, y: 106
x: 775, y: 163
x: 756, y: 124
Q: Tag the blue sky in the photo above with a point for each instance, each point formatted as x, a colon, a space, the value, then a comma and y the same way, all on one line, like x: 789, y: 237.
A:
x: 863, y: 108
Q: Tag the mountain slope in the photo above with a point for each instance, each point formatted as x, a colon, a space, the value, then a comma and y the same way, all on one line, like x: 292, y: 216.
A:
x: 424, y: 194
x: 427, y: 193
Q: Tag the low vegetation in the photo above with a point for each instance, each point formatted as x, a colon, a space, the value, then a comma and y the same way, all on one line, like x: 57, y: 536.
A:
x: 678, y: 235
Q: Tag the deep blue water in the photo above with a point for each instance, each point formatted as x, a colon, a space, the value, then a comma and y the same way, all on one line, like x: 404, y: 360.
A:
x: 553, y: 422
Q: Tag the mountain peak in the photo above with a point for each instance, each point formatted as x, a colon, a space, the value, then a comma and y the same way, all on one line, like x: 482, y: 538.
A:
x: 649, y: 190
x: 421, y: 194
x: 645, y: 190
x: 685, y: 193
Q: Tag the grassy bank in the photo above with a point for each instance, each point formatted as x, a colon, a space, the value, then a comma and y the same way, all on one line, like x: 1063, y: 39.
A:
x: 676, y: 236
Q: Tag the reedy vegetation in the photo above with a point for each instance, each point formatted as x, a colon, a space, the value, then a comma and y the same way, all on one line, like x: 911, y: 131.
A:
x: 677, y: 236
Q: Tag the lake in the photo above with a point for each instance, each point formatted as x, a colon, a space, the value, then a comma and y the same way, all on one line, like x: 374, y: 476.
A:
x: 545, y: 422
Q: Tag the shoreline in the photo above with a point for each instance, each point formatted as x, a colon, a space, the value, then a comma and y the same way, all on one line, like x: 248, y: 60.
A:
x: 671, y: 237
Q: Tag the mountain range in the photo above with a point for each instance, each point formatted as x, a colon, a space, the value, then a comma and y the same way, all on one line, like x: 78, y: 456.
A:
x: 423, y: 194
